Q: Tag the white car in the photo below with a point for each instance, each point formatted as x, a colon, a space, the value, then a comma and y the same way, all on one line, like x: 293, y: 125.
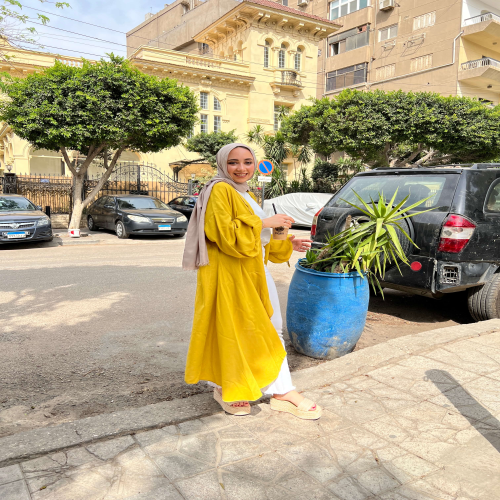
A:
x: 301, y: 206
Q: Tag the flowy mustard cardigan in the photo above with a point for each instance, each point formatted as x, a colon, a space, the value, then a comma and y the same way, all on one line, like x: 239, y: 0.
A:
x: 233, y: 342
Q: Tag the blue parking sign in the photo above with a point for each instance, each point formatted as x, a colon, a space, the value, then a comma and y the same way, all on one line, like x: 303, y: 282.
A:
x: 265, y: 167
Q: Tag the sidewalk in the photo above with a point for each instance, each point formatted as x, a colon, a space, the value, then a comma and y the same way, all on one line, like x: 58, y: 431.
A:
x: 415, y: 418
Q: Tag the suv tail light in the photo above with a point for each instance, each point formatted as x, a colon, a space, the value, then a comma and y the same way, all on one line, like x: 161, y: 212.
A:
x: 315, y: 223
x: 455, y: 234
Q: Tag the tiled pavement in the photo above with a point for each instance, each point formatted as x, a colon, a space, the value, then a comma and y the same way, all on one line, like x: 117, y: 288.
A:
x: 423, y: 427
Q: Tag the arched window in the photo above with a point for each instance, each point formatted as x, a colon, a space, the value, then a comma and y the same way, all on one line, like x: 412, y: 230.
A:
x: 298, y: 56
x: 217, y: 106
x: 281, y: 56
x: 266, y: 54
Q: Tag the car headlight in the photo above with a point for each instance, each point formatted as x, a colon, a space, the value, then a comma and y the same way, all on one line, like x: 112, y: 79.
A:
x: 182, y: 218
x: 138, y: 218
x: 43, y: 221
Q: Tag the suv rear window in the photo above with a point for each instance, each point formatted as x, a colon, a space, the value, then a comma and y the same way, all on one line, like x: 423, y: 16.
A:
x: 418, y: 187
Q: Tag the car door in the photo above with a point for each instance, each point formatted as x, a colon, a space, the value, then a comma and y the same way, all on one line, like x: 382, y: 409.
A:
x: 96, y: 211
x: 108, y: 213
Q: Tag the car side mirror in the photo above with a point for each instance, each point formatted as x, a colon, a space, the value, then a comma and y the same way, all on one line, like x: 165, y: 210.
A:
x: 39, y: 207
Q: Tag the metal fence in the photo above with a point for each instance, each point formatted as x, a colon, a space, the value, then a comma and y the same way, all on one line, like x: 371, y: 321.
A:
x: 56, y: 191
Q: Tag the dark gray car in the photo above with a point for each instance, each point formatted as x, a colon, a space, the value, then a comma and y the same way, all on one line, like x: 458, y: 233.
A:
x: 20, y: 220
x: 134, y: 214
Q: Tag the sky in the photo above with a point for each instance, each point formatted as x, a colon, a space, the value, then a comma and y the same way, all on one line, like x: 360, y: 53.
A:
x: 85, y: 40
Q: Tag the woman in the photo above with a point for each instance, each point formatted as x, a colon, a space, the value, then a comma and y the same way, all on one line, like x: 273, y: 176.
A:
x: 236, y: 342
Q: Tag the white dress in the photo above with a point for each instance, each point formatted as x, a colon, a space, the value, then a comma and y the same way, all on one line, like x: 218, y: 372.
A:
x: 283, y: 383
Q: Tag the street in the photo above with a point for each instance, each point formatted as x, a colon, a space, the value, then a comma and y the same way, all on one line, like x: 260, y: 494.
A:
x: 95, y: 328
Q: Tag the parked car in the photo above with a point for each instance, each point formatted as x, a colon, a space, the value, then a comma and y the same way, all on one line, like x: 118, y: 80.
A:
x: 183, y: 204
x: 458, y: 242
x: 132, y: 214
x: 20, y: 220
x: 300, y: 206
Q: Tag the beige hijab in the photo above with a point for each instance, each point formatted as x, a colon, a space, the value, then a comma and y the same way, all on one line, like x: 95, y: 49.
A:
x: 195, y: 250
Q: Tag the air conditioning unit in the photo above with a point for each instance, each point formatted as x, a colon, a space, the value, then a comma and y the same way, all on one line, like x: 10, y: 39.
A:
x: 387, y: 4
x: 302, y: 3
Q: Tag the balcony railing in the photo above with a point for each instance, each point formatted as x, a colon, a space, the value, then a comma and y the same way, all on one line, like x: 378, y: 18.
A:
x: 480, y: 63
x: 489, y: 16
x: 290, y: 78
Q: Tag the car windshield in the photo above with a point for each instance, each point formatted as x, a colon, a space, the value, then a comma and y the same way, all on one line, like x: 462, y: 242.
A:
x: 417, y: 187
x: 141, y: 204
x: 8, y: 204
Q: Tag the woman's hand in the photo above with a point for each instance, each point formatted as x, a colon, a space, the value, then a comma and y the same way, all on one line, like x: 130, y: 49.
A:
x: 300, y: 245
x: 278, y: 220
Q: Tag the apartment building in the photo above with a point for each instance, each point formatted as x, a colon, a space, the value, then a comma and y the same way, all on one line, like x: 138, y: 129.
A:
x: 451, y: 47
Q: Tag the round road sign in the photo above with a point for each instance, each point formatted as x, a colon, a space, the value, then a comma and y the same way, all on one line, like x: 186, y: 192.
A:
x: 265, y: 167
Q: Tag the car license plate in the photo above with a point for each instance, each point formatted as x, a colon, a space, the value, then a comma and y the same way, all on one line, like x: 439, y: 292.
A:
x: 164, y: 227
x: 16, y: 234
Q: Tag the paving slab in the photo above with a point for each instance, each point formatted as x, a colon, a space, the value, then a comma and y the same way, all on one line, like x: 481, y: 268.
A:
x: 408, y: 422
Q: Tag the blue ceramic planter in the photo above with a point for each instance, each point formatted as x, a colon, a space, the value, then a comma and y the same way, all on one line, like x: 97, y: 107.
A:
x: 326, y: 312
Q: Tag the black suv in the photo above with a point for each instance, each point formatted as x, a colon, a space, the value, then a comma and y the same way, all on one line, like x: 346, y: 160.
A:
x: 458, y: 241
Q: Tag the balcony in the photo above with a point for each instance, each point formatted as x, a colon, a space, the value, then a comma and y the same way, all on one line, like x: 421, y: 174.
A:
x: 285, y: 79
x: 182, y: 64
x: 483, y: 30
x: 483, y: 73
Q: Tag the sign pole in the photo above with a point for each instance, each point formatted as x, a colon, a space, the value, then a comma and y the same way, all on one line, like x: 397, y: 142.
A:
x: 263, y: 193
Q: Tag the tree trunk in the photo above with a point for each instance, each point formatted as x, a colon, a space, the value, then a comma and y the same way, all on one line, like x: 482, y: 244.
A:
x: 76, y: 214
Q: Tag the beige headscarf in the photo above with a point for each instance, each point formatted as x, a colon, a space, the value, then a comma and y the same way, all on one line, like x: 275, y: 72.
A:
x: 195, y: 250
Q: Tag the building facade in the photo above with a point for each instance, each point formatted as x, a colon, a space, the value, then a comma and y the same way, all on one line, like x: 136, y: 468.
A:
x: 450, y: 47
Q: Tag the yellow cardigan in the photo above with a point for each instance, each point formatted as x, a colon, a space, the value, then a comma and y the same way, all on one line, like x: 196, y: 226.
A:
x: 233, y: 342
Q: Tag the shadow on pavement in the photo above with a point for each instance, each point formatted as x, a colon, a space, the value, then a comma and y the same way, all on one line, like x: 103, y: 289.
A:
x: 460, y: 398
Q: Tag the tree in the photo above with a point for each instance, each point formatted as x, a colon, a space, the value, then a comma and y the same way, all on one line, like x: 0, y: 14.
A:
x: 397, y: 128
x: 329, y: 177
x: 101, y: 107
x: 277, y: 149
x: 207, y: 145
x: 11, y: 19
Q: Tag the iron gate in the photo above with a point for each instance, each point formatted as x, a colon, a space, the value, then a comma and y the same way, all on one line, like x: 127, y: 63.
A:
x: 140, y: 179
x: 56, y: 191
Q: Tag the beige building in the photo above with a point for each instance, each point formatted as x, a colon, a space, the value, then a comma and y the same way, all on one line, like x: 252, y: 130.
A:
x: 451, y: 47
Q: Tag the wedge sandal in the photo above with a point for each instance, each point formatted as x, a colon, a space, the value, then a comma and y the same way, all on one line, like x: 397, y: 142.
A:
x: 238, y: 411
x: 302, y: 411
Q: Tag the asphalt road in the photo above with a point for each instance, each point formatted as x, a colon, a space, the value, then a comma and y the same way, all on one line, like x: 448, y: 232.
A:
x: 93, y: 329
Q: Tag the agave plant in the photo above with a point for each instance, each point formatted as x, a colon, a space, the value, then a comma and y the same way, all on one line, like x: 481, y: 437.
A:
x: 367, y: 247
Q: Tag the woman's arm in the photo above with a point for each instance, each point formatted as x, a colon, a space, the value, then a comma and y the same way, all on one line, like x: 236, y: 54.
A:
x: 238, y: 237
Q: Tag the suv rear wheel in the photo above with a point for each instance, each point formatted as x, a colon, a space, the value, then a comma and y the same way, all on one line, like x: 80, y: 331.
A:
x: 484, y: 300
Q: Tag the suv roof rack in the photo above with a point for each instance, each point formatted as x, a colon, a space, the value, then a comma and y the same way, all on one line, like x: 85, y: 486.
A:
x: 484, y: 166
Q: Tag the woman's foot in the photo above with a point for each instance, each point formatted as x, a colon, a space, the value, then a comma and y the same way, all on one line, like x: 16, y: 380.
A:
x: 234, y: 408
x: 293, y: 397
x: 296, y: 404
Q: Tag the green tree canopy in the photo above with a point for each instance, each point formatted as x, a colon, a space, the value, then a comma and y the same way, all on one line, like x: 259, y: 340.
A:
x: 395, y: 128
x: 101, y: 107
x: 207, y: 145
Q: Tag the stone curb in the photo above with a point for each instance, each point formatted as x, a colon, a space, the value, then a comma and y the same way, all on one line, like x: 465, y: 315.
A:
x: 36, y: 442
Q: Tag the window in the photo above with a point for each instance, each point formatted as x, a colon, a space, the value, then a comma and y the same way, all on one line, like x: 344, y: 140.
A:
x: 217, y: 106
x: 349, y: 40
x: 204, y: 124
x: 297, y: 58
x: 386, y: 72
x: 424, y: 21
x: 277, y: 117
x: 493, y: 198
x: 203, y: 48
x: 281, y: 56
x: 339, y: 8
x: 266, y: 54
x: 389, y: 32
x: 345, y: 77
x: 204, y: 100
x: 284, y: 2
x: 191, y: 133
x: 217, y: 123
x: 420, y: 63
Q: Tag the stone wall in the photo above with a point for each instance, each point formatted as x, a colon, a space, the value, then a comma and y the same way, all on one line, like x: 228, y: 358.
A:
x: 61, y: 221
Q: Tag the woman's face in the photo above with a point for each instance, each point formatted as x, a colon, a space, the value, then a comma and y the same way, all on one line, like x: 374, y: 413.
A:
x: 240, y: 165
